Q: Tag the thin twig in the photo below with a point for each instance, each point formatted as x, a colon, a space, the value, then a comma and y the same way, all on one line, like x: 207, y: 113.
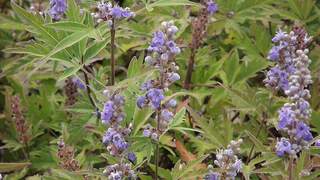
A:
x: 257, y: 135
x: 157, y: 155
x: 88, y: 90
x: 113, y: 60
x: 290, y: 170
x: 189, y: 70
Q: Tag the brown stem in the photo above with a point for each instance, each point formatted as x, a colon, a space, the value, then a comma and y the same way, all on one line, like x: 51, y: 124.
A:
x: 88, y: 90
x: 157, y: 155
x: 113, y: 61
x: 290, y: 170
x: 187, y: 82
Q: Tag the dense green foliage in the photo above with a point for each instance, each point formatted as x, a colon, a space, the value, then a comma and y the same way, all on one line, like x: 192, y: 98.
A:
x: 228, y: 99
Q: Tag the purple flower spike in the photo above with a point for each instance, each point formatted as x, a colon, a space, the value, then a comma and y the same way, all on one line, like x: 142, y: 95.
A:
x: 292, y: 76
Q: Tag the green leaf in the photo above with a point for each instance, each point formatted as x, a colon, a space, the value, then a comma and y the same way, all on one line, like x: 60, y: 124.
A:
x: 140, y: 117
x: 7, y: 167
x: 69, y: 72
x: 163, y: 3
x: 231, y: 67
x: 95, y: 49
x: 188, y: 171
x: 10, y: 25
x: 36, y: 22
x: 67, y: 26
x: 73, y: 12
x: 178, y: 118
x: 63, y: 44
x: 258, y: 144
x: 135, y: 66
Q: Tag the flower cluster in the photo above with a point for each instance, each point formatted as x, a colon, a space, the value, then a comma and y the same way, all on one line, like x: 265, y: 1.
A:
x: 115, y: 136
x: 162, y: 52
x: 292, y: 75
x: 199, y: 24
x: 71, y: 91
x: 227, y: 161
x: 117, y: 172
x: 57, y: 9
x: 37, y: 7
x: 18, y: 117
x: 106, y: 12
x: 66, y: 157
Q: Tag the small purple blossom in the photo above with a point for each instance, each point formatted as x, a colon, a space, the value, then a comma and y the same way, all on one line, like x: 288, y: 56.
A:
x: 79, y: 83
x: 274, y: 53
x: 212, y: 7
x: 146, y: 133
x: 157, y: 42
x: 107, y: 113
x: 286, y: 117
x: 57, y: 9
x: 283, y: 146
x: 303, y: 132
x: 212, y: 176
x: 174, y: 77
x: 166, y: 115
x: 141, y: 101
x: 280, y: 35
x: 106, y: 12
x: 132, y: 157
x: 155, y: 96
x: 317, y: 143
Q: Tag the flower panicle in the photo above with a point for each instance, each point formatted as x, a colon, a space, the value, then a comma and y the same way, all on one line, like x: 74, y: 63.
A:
x: 227, y: 162
x: 20, y: 122
x: 292, y: 76
x: 115, y: 137
x: 162, y: 52
x: 66, y: 157
x: 106, y: 12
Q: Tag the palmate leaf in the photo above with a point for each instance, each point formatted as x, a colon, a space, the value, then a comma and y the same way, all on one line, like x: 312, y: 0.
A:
x: 68, y: 26
x: 62, y: 45
x: 188, y: 171
x: 163, y: 3
x: 37, y: 23
x: 93, y: 50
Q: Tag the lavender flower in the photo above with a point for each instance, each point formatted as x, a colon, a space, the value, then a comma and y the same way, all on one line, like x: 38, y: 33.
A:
x: 113, y: 110
x: 57, y: 9
x: 291, y: 74
x: 162, y: 52
x: 119, y: 171
x: 227, y: 161
x: 212, y: 7
x: 106, y: 12
x: 79, y: 83
x: 283, y: 146
x: 115, y: 138
x: 132, y: 157
x: 317, y: 143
